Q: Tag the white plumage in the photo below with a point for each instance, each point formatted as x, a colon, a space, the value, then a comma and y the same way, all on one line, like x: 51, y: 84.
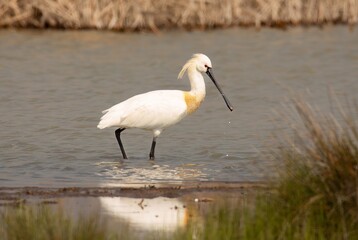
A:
x: 154, y: 110
x: 160, y: 109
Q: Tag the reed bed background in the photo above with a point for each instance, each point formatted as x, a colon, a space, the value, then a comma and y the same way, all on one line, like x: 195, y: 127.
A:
x: 137, y: 15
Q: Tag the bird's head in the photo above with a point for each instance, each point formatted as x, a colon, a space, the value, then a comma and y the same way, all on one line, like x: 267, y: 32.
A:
x: 202, y: 64
x: 198, y: 61
x: 202, y: 61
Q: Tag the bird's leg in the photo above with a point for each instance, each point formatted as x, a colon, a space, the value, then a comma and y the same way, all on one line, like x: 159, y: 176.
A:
x: 151, y: 154
x: 118, y: 136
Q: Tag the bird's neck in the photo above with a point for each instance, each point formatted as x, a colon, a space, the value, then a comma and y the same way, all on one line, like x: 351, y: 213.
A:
x: 196, y: 95
x: 197, y: 83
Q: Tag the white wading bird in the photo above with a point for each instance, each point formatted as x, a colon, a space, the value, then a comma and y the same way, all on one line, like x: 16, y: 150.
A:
x: 160, y: 109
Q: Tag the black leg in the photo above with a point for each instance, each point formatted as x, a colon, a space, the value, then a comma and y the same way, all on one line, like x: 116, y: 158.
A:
x: 151, y: 154
x: 118, y: 136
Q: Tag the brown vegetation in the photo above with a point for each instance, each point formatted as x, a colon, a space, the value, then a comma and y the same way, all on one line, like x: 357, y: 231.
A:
x: 136, y: 15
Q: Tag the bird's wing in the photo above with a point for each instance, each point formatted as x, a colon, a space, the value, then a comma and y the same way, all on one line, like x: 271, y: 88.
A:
x: 152, y: 110
x: 155, y: 110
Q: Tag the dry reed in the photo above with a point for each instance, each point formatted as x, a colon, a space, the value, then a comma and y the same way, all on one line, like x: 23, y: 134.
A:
x: 137, y: 15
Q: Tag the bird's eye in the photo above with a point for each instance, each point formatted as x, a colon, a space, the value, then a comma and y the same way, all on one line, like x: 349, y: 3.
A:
x: 206, y: 66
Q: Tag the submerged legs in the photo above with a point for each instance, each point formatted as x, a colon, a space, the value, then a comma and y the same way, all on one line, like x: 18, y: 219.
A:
x: 118, y: 136
x: 152, y: 149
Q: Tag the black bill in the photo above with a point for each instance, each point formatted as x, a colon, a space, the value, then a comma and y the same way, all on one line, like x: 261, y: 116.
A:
x: 211, y: 76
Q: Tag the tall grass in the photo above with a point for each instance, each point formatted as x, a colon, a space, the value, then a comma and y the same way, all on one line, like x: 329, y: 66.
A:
x: 42, y: 223
x: 137, y: 15
x: 316, y: 194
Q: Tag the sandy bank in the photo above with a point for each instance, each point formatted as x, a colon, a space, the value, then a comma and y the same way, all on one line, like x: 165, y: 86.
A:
x: 153, y: 15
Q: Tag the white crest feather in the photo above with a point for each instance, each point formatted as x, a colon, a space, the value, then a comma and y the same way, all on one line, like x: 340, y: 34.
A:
x: 188, y: 64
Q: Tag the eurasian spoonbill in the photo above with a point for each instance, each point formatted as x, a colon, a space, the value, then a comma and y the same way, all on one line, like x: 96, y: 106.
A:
x: 157, y: 110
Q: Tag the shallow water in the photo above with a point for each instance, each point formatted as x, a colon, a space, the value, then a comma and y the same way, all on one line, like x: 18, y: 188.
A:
x: 54, y: 85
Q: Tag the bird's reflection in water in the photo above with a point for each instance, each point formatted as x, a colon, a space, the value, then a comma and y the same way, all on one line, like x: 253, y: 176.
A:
x: 157, y: 214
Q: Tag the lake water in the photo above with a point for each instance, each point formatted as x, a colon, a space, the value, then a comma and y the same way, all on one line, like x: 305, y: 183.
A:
x: 54, y: 85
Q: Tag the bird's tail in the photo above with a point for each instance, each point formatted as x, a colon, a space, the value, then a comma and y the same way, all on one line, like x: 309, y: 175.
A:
x: 109, y: 119
x: 101, y: 125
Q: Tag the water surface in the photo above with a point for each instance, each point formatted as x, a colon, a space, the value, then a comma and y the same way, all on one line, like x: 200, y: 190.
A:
x: 54, y: 85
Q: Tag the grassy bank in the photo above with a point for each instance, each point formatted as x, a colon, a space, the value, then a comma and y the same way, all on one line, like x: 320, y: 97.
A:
x: 315, y: 195
x: 137, y: 15
x: 43, y: 224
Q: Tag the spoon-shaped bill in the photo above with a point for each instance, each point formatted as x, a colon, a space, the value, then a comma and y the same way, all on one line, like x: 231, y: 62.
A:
x: 209, y: 72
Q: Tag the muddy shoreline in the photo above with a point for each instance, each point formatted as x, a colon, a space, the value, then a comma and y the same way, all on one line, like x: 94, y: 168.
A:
x: 15, y: 195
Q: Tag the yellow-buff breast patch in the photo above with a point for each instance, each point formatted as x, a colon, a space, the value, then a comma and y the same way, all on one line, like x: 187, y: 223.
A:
x: 192, y: 102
